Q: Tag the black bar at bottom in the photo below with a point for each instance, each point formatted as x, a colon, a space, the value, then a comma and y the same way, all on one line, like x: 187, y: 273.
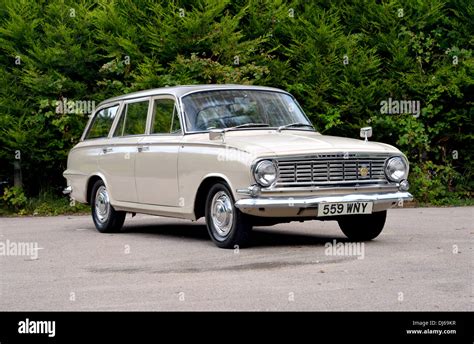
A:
x: 59, y: 327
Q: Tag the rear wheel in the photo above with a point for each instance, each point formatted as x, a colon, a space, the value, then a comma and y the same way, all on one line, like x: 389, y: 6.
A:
x: 228, y: 227
x: 363, y: 227
x: 105, y: 217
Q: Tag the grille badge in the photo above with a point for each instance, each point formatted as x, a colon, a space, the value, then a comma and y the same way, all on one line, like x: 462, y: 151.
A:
x: 363, y: 171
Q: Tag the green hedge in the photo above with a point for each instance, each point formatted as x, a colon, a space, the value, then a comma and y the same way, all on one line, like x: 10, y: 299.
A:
x: 341, y: 59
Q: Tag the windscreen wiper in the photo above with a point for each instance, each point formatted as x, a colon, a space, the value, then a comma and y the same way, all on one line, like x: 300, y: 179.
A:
x: 297, y: 124
x: 246, y: 125
x: 250, y: 125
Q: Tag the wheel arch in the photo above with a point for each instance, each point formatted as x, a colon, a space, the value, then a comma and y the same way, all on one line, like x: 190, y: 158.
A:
x: 203, y: 190
x: 90, y: 184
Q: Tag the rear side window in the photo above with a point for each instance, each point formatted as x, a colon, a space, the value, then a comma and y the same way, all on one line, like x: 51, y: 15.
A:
x: 102, y: 123
x: 133, y: 120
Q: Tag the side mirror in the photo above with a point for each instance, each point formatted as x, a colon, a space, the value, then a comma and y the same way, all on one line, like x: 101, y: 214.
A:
x: 216, y: 134
x: 366, y: 132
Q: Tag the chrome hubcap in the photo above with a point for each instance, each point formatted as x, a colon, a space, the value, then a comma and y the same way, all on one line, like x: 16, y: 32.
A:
x: 222, y: 213
x: 102, y: 204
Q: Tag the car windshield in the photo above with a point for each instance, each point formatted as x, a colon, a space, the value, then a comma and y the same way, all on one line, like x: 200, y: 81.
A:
x: 222, y: 109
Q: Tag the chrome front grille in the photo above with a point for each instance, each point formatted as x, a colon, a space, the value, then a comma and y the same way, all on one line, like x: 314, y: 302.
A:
x: 328, y: 169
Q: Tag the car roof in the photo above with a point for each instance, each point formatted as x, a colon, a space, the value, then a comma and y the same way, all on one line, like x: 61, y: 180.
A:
x: 180, y: 91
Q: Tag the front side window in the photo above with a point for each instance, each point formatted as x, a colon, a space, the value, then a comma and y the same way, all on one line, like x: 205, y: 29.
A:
x: 165, y: 117
x: 102, y: 123
x: 133, y: 119
x: 221, y: 109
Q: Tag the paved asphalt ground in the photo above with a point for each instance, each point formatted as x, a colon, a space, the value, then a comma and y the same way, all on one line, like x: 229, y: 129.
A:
x: 422, y: 261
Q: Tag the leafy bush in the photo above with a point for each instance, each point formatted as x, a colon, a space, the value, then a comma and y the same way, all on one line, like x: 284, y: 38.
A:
x: 14, y: 197
x: 45, y: 204
x: 49, y: 204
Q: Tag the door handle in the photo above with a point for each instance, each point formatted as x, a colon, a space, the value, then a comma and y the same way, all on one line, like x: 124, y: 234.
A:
x: 143, y: 148
x: 107, y: 150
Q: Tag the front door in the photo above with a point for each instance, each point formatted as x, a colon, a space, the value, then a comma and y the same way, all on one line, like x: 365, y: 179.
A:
x: 156, y: 165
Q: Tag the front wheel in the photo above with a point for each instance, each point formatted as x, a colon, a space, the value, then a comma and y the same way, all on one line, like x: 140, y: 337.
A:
x: 105, y: 217
x: 363, y: 227
x: 227, y: 226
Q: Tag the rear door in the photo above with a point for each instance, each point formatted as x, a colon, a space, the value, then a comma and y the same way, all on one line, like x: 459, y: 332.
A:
x: 117, y: 161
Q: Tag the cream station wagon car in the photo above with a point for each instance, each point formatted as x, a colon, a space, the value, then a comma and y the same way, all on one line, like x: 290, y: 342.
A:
x: 240, y: 156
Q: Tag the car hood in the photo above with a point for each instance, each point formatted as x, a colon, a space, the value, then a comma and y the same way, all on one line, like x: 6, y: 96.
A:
x: 288, y: 142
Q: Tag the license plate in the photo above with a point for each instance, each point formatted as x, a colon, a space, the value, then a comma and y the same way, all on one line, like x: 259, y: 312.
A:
x: 346, y: 208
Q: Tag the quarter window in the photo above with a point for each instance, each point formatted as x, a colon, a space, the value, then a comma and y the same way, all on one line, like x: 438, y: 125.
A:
x: 165, y: 117
x: 133, y: 120
x: 102, y: 123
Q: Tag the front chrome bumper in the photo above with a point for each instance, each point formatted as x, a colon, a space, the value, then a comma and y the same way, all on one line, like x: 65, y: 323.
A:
x: 309, y: 202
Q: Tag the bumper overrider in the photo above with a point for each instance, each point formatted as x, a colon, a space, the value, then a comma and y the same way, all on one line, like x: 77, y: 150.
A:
x: 314, y: 201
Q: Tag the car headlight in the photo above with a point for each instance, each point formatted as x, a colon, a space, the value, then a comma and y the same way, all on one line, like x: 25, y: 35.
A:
x: 265, y: 173
x: 396, y: 169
